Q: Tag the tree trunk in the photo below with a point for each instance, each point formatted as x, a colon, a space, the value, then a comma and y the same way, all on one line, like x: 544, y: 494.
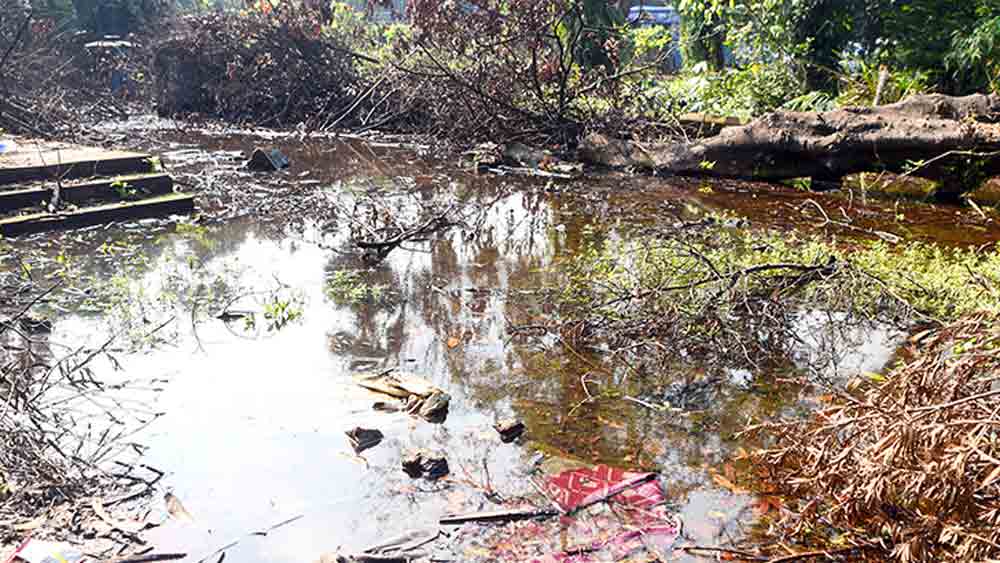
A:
x: 830, y: 145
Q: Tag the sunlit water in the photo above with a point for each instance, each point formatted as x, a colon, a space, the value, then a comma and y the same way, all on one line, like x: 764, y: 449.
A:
x: 248, y: 424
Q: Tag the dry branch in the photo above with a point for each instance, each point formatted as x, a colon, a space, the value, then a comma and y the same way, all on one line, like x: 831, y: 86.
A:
x: 908, y: 467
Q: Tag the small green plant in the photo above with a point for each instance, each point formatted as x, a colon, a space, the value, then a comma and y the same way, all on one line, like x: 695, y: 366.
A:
x: 125, y: 190
x: 281, y: 311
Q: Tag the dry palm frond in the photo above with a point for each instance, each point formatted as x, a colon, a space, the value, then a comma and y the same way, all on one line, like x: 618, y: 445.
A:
x: 909, y: 466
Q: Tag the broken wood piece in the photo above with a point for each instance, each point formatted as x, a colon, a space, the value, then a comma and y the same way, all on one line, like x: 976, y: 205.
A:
x: 509, y: 429
x: 705, y: 119
x: 396, y: 384
x: 128, y: 211
x: 405, y: 543
x: 497, y: 516
x: 151, y: 558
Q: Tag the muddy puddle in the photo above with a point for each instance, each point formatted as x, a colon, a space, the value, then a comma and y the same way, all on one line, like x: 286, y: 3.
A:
x: 247, y: 415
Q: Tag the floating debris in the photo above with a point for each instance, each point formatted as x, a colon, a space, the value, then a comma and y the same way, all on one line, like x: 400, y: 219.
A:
x: 267, y: 161
x: 364, y: 438
x: 424, y: 463
x: 510, y: 429
x: 417, y: 396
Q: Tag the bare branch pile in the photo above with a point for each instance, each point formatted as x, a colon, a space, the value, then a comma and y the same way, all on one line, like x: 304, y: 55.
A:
x: 268, y: 68
x: 51, y: 83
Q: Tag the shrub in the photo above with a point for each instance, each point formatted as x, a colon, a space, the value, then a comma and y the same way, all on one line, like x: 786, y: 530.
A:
x: 747, y: 92
x: 974, y: 58
x: 859, y: 82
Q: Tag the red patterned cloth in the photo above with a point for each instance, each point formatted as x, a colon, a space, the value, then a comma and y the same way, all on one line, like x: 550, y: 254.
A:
x: 611, y: 515
x: 583, y: 487
x: 641, y: 525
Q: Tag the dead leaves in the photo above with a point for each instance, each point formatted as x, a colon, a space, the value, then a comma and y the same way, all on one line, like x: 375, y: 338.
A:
x: 176, y: 509
x: 908, y: 462
x: 131, y: 527
x: 726, y: 479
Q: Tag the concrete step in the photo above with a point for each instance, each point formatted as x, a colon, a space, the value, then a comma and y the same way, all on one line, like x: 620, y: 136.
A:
x: 36, y: 160
x: 119, y: 188
x: 174, y: 203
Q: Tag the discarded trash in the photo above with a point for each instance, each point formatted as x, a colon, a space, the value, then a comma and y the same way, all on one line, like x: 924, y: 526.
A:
x: 267, y: 161
x: 510, y: 429
x: 364, y: 438
x: 387, y: 406
x: 580, y: 488
x: 126, y: 526
x: 426, y: 464
x: 37, y: 551
x: 619, y: 548
x: 7, y: 145
x: 607, y: 514
x: 421, y: 397
x: 396, y: 384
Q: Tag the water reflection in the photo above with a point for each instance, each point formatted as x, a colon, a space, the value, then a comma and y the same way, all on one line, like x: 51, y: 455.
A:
x: 253, y: 427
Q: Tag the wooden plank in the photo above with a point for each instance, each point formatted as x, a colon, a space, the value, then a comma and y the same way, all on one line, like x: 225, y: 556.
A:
x: 103, y: 189
x: 154, y: 207
x: 43, y: 160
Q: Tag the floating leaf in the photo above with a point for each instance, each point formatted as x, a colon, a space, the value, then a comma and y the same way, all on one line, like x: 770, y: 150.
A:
x: 176, y: 509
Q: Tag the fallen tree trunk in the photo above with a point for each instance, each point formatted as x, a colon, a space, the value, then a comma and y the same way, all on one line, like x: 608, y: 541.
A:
x: 829, y: 145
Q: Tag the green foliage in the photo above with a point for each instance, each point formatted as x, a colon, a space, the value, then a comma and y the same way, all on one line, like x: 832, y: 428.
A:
x: 811, y: 101
x: 703, y: 34
x: 919, y: 33
x: 859, y: 82
x: 910, y: 36
x: 280, y: 311
x: 974, y: 58
x: 125, y: 190
x: 746, y: 92
x: 650, y: 42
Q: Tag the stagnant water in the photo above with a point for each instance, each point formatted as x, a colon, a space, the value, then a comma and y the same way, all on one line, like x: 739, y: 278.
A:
x: 248, y: 423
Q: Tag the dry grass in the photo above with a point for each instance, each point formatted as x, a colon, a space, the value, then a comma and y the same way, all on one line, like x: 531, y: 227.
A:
x: 906, y: 466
